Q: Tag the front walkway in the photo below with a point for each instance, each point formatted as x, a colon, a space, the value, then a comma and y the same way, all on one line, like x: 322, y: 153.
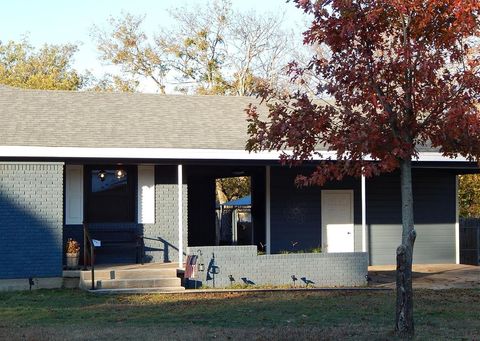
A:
x: 434, y: 276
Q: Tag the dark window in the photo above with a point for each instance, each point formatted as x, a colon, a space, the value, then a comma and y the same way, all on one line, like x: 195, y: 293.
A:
x: 110, y: 195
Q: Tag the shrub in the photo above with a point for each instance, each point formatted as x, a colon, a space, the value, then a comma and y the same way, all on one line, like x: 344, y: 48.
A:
x: 72, y: 246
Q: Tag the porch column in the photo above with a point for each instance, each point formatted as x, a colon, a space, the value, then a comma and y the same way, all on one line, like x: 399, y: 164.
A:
x: 457, y: 224
x: 180, y: 216
x: 267, y: 210
x: 364, y: 215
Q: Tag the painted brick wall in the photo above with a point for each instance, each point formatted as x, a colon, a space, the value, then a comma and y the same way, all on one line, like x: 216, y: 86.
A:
x: 31, y: 218
x: 242, y: 262
x: 161, y: 238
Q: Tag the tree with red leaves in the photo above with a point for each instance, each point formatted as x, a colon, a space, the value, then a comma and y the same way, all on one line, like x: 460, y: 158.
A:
x: 399, y: 74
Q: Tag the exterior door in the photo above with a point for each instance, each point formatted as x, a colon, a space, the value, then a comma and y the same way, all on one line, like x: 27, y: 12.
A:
x: 337, y: 221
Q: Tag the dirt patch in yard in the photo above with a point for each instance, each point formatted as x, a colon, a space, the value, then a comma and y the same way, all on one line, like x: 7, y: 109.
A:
x: 434, y: 276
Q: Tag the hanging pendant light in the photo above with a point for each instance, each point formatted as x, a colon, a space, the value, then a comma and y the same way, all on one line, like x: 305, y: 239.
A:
x: 120, y: 173
x: 102, y: 175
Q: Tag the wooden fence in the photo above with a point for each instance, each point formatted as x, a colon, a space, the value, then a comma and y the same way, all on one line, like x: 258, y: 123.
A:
x: 470, y: 241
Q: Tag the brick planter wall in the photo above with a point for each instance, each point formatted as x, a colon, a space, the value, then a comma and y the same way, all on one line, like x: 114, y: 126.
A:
x: 245, y: 266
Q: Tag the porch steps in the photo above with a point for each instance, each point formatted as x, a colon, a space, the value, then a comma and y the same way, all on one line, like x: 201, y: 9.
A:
x: 130, y: 274
x: 138, y: 283
x: 173, y: 290
x: 160, y: 279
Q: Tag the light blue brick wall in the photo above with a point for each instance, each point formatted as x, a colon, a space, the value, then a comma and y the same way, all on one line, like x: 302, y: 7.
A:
x: 31, y: 218
x: 161, y: 238
x: 244, y: 265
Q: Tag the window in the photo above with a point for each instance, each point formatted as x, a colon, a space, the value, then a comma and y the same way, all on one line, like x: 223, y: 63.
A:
x: 110, y: 195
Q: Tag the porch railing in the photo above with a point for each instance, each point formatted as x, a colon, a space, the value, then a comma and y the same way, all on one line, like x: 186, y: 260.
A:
x: 88, y: 245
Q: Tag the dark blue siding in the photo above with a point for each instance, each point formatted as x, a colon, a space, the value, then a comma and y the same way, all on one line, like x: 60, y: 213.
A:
x: 434, y: 194
x: 295, y: 212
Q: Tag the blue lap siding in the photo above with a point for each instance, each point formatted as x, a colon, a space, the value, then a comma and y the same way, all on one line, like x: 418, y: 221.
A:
x: 295, y: 212
x: 434, y: 193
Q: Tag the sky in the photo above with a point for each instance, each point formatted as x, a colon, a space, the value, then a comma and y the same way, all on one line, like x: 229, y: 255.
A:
x: 62, y: 21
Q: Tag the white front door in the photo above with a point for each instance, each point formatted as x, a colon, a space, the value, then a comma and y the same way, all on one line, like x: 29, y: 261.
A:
x: 337, y: 221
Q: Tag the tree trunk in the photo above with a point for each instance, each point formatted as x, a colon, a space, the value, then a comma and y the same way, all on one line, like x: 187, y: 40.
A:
x: 404, y: 308
x: 221, y: 196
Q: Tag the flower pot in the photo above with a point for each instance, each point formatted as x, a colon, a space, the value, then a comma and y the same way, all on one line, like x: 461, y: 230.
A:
x: 72, y: 260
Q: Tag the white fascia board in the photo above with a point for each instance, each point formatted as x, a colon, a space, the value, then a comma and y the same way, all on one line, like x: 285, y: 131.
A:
x: 134, y: 153
x: 171, y: 153
x: 435, y: 156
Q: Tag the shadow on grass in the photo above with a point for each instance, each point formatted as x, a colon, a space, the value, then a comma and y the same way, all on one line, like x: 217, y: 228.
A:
x: 350, y: 314
x: 435, y: 278
x: 220, y: 310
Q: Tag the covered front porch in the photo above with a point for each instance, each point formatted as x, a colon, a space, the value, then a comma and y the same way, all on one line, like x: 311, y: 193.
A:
x: 174, y: 210
x: 175, y: 206
x: 168, y: 206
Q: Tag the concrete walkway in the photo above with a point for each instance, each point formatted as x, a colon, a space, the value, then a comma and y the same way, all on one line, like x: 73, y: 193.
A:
x: 435, y: 276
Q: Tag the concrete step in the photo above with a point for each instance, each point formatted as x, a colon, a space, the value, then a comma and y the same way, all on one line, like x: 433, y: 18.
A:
x: 139, y: 274
x: 139, y: 290
x: 146, y: 266
x: 138, y: 283
x: 99, y: 274
x: 130, y: 274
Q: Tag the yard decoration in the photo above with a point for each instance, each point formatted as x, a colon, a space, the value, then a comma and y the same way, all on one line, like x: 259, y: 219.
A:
x: 400, y: 75
x: 72, y: 252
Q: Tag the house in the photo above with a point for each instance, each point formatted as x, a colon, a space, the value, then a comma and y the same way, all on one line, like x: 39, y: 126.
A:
x: 159, y: 156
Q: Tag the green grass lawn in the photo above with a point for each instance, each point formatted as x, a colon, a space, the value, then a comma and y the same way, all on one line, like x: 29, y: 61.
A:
x: 77, y: 315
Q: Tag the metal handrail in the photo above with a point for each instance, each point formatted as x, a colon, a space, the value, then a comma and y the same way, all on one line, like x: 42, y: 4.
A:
x: 87, y: 241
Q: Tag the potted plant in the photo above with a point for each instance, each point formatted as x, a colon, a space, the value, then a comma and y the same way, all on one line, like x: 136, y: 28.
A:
x: 72, y: 251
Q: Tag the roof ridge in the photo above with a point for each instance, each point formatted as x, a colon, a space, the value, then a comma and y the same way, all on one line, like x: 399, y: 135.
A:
x: 6, y: 86
x: 112, y: 93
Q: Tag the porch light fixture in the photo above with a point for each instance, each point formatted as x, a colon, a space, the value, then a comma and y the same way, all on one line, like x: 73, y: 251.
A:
x: 102, y: 175
x: 120, y: 173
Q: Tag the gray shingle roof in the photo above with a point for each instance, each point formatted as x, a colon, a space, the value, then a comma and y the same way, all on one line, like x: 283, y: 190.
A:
x: 47, y: 118
x: 121, y: 120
